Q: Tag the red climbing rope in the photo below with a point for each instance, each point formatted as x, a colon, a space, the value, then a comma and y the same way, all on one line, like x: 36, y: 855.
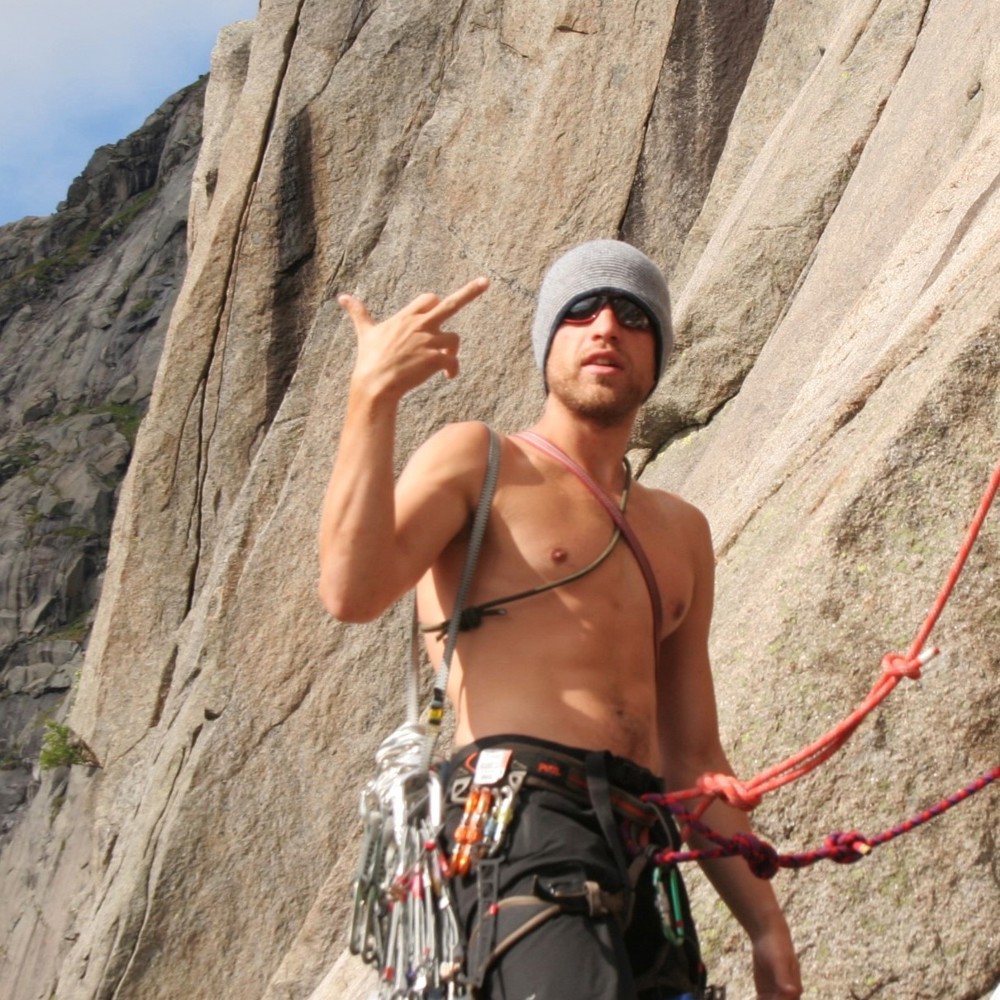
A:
x: 843, y: 848
x: 747, y: 795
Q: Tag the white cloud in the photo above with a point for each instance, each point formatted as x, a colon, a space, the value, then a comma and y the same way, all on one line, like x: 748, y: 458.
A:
x: 77, y: 75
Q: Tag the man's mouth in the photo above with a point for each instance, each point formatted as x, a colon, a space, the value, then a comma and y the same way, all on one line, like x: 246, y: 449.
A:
x: 602, y: 360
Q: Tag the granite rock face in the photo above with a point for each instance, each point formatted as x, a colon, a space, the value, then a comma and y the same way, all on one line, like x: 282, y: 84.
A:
x: 821, y: 182
x: 85, y: 298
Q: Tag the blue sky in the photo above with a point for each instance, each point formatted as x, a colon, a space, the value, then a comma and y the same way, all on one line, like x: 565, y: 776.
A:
x: 78, y: 74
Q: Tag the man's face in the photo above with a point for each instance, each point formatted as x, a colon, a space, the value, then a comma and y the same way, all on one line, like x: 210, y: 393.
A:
x: 601, y: 369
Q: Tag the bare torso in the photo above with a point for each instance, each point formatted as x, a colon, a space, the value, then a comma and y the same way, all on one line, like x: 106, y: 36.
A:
x: 575, y: 664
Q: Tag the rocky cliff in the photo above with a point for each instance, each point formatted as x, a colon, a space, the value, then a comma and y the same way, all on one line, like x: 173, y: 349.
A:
x: 85, y: 296
x: 821, y: 182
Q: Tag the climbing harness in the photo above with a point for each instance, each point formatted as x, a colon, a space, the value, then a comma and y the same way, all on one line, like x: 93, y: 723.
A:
x: 841, y: 847
x: 562, y: 856
x: 403, y: 918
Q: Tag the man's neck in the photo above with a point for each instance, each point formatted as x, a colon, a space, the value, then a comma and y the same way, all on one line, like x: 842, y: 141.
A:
x: 598, y: 449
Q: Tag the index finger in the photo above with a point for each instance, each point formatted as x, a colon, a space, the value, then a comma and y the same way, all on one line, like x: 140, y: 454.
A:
x: 451, y: 304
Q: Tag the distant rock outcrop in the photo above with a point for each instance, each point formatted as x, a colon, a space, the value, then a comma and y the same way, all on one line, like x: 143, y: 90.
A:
x: 822, y: 182
x: 85, y: 298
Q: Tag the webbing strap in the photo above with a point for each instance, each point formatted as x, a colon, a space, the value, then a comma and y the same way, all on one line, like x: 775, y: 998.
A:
x: 436, y: 711
x: 543, y: 444
x: 488, y: 894
x: 599, y: 786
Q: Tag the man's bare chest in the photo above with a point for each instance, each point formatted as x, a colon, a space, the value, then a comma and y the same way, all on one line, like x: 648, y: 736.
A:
x: 560, y: 535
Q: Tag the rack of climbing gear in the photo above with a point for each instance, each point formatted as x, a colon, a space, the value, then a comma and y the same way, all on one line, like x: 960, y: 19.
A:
x: 840, y: 847
x: 403, y: 920
x: 487, y: 814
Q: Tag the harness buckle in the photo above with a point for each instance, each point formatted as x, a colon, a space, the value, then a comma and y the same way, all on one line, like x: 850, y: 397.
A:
x: 584, y: 898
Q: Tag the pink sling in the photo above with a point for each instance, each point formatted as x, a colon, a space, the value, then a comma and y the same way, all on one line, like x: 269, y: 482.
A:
x: 542, y: 444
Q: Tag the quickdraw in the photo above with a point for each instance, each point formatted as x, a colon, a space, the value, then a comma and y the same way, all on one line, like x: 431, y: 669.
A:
x: 403, y: 920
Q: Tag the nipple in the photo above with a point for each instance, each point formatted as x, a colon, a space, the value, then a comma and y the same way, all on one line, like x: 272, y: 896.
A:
x: 559, y: 555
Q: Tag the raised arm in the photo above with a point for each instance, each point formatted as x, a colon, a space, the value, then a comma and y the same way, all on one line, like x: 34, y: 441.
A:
x: 376, y: 538
x: 690, y: 746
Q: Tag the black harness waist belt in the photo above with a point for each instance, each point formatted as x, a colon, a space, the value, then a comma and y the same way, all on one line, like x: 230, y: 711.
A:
x: 540, y: 764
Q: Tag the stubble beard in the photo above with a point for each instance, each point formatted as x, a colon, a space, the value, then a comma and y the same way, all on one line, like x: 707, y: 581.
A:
x: 598, y: 402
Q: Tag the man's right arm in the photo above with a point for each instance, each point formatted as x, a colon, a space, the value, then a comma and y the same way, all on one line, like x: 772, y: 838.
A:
x: 377, y: 540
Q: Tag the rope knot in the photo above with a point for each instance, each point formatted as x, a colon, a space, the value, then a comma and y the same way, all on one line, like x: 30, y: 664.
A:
x: 729, y: 788
x: 846, y: 848
x: 760, y: 856
x: 469, y: 619
x: 901, y: 665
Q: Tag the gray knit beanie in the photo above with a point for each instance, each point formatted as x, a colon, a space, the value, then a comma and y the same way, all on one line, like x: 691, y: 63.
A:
x: 602, y: 266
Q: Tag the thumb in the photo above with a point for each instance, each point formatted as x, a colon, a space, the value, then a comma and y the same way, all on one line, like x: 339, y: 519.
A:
x: 357, y: 311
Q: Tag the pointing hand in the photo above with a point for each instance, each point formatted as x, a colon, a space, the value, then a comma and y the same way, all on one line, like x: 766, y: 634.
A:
x: 406, y: 349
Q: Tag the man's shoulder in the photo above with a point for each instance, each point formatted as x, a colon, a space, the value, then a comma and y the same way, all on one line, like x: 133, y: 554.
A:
x: 682, y: 518
x: 466, y: 436
x: 453, y: 451
x: 674, y: 505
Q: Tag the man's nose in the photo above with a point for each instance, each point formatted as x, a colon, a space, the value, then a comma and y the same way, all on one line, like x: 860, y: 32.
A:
x: 605, y: 322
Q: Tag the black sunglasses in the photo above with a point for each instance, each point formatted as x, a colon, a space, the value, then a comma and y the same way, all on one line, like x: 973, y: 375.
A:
x: 630, y: 314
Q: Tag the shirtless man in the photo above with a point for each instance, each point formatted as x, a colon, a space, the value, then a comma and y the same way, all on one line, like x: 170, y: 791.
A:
x: 574, y: 667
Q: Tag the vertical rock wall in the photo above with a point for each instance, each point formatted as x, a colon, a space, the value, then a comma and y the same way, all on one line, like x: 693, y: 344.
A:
x: 821, y: 181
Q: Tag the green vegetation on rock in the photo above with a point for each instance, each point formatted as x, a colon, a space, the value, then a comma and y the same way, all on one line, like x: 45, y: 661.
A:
x: 61, y: 747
